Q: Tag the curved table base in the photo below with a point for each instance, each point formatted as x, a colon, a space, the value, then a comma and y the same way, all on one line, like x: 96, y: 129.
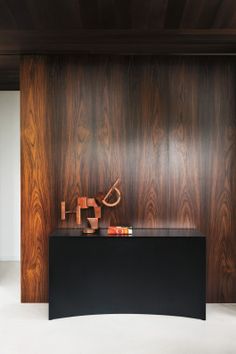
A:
x: 140, y: 275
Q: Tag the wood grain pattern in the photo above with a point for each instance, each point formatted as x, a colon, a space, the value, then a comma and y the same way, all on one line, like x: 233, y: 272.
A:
x: 103, y: 138
x: 165, y: 126
x: 184, y: 149
x: 122, y: 14
x: 37, y: 198
x: 220, y: 178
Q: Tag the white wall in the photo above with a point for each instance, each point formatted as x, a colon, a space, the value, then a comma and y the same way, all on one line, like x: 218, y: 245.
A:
x: 9, y: 175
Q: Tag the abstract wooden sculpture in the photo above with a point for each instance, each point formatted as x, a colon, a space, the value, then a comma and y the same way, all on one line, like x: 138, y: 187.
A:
x: 95, y: 203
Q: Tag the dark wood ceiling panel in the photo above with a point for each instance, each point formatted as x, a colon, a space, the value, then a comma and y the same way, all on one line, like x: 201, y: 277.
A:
x: 174, y: 13
x: 107, y: 10
x: 18, y: 15
x: 43, y: 14
x: 115, y: 27
x: 148, y: 14
x: 9, y: 72
x: 6, y: 17
x: 48, y: 15
x: 93, y: 12
x: 226, y: 15
x: 200, y: 14
x: 102, y: 14
x: 116, y: 14
x: 123, y: 14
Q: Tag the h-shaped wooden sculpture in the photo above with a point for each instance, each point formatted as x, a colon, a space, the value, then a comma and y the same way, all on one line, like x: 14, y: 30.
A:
x: 95, y: 203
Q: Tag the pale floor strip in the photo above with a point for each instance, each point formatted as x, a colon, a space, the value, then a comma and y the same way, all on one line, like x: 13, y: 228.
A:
x: 25, y: 329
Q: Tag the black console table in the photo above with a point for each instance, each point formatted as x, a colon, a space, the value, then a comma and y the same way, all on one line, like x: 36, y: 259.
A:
x: 154, y: 271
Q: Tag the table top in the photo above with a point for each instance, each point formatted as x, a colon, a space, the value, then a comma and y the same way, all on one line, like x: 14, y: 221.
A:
x: 136, y: 233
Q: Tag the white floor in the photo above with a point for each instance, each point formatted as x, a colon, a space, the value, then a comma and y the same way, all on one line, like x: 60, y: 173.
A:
x: 25, y: 329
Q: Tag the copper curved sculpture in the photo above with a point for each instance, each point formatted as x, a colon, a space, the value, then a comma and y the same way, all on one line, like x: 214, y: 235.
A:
x: 95, y: 203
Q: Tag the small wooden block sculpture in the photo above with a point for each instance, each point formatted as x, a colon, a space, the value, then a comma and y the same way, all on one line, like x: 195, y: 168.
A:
x: 95, y: 203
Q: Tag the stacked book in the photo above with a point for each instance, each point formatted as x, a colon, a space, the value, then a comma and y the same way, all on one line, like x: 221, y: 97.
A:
x: 119, y: 230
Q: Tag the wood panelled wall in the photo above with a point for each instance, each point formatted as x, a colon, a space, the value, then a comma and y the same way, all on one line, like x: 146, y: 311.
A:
x: 37, y: 183
x: 165, y: 126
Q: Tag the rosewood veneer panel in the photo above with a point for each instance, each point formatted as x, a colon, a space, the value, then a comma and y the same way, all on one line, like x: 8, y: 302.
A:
x: 202, y: 150
x: 220, y: 179
x: 101, y: 134
x: 165, y: 126
x: 37, y: 201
